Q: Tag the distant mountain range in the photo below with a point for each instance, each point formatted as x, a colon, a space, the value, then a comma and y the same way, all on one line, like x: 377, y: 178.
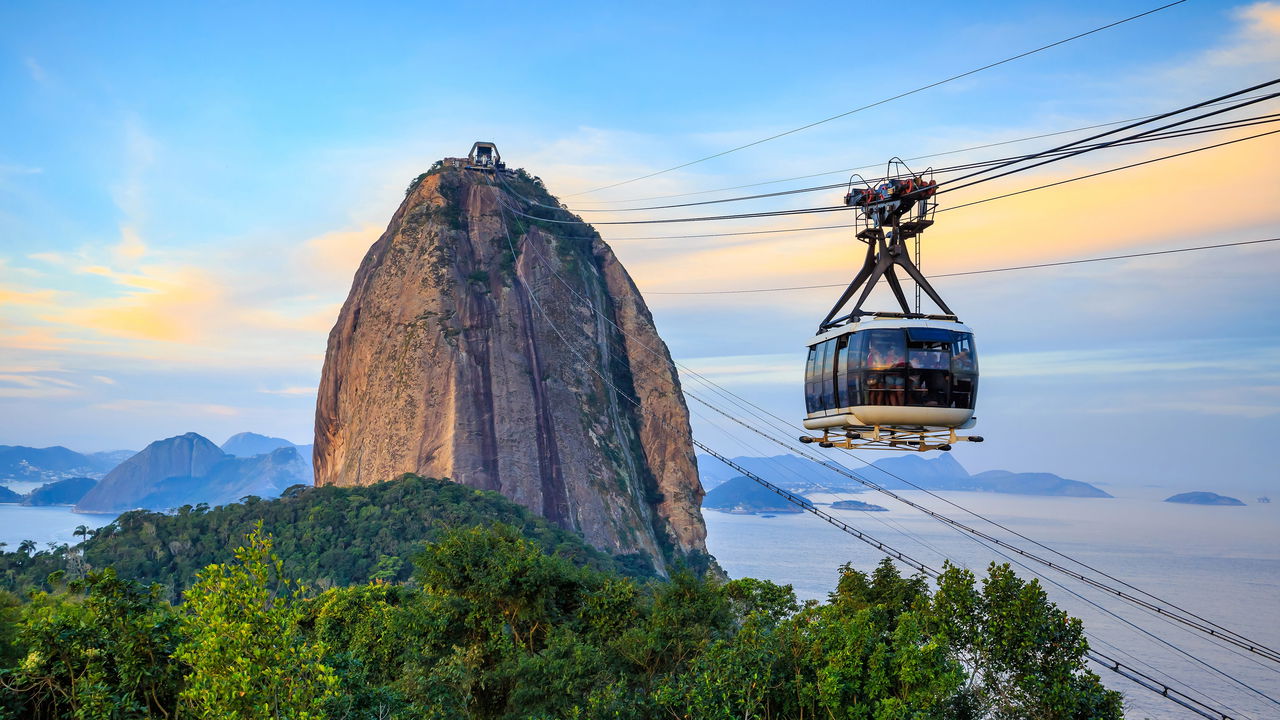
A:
x: 28, y: 464
x: 189, y: 469
x: 898, y: 473
x: 181, y: 470
x: 249, y: 444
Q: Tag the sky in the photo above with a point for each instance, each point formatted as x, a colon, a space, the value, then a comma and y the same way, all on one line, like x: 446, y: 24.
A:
x: 186, y: 191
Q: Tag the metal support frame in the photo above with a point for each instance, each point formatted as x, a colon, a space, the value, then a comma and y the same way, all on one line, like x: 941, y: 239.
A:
x: 891, y: 438
x: 888, y: 225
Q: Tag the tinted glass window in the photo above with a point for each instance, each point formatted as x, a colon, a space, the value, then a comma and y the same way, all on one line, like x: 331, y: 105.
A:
x: 886, y: 349
x: 828, y: 374
x: 855, y: 351
x: 885, y: 388
x: 963, y: 357
x: 964, y: 370
x: 810, y: 381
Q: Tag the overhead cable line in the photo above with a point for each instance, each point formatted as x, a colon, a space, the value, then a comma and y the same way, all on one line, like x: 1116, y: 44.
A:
x: 1108, y: 171
x: 1060, y: 263
x: 1078, y: 147
x: 837, y: 208
x: 792, y: 497
x: 1154, y: 137
x: 886, y: 100
x: 1204, y: 625
x: 869, y: 166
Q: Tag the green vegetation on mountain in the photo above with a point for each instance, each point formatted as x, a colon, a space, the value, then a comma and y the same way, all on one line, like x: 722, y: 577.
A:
x: 744, y: 495
x: 328, y: 536
x: 492, y: 626
x: 62, y: 492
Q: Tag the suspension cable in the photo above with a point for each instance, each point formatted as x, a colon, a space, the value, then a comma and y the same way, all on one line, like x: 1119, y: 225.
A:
x: 1153, y: 136
x: 1170, y: 251
x: 1077, y: 143
x: 838, y: 208
x: 886, y: 100
x: 846, y: 171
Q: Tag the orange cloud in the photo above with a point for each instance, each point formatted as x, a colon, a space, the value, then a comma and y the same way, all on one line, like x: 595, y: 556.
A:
x: 338, y: 253
x: 1200, y: 196
x: 167, y: 304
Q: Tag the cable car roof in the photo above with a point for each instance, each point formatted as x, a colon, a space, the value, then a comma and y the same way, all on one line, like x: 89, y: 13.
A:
x: 890, y: 321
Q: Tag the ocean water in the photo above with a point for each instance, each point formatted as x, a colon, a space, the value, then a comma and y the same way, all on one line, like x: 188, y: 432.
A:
x: 1222, y: 563
x: 53, y: 524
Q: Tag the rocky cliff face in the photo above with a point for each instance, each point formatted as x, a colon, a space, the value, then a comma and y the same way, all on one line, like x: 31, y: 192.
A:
x: 486, y: 347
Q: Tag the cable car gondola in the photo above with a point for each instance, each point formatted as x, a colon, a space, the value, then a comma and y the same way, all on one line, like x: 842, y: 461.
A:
x: 891, y: 380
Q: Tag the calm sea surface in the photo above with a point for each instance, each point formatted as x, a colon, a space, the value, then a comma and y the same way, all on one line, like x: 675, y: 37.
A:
x: 44, y: 525
x: 1222, y: 563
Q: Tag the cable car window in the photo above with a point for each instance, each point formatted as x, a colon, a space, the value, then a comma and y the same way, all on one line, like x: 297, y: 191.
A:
x: 885, y: 388
x: 964, y: 370
x: 829, y: 375
x: 928, y: 388
x: 810, y: 381
x: 931, y: 358
x: 963, y: 389
x: 855, y: 351
x: 962, y: 354
x: 842, y: 371
x: 852, y: 364
x: 886, y: 349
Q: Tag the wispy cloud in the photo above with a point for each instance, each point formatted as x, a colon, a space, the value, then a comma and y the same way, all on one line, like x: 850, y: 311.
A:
x: 35, y: 70
x: 294, y: 391
x: 170, y: 408
x: 23, y: 385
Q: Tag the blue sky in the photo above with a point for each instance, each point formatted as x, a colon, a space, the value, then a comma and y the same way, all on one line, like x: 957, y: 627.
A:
x: 186, y: 190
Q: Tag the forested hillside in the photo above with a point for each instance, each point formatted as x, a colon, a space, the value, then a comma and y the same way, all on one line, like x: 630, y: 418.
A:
x: 328, y: 536
x: 493, y: 627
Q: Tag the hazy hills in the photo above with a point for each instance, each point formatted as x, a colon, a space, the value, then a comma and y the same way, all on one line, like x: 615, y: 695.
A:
x: 189, y: 469
x: 176, y: 471
x: 942, y: 472
x: 29, y: 464
x: 744, y: 495
x: 1203, y: 498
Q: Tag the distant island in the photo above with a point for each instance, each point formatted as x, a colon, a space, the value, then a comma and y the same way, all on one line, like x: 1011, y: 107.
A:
x: 61, y: 492
x: 1203, y: 498
x: 743, y: 496
x: 943, y: 472
x: 857, y: 505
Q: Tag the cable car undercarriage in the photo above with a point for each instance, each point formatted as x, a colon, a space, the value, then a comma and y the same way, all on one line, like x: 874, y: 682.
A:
x: 900, y: 380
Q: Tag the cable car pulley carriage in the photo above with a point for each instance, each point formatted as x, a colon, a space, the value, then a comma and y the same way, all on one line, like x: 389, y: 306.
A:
x: 891, y: 380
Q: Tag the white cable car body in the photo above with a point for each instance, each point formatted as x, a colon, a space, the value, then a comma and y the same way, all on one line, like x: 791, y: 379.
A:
x: 891, y: 380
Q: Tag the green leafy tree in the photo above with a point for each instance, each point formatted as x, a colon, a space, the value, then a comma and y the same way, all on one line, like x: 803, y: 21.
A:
x: 247, y: 655
x: 1025, y: 657
x: 100, y: 648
